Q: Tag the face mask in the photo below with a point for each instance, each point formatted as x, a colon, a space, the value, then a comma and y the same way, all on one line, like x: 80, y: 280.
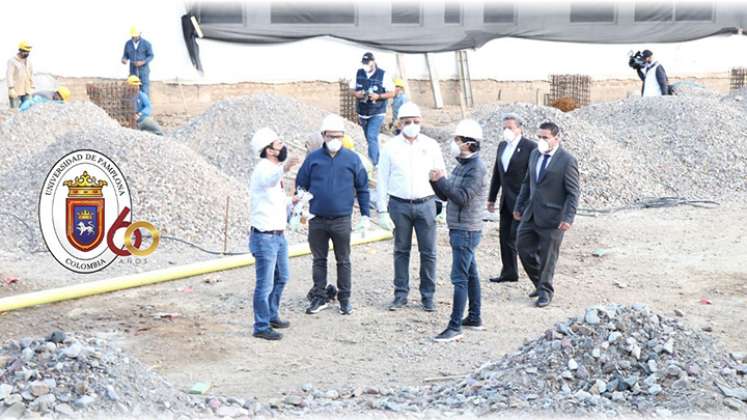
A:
x: 543, y: 146
x: 334, y: 146
x: 454, y: 149
x: 283, y: 154
x: 411, y: 130
x: 508, y: 135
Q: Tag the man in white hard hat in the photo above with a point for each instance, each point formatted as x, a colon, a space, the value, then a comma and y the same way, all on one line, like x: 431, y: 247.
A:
x: 464, y: 191
x: 406, y: 202
x: 336, y: 177
x: 19, y: 76
x: 267, y: 243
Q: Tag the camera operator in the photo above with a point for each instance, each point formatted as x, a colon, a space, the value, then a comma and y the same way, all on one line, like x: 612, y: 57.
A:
x: 372, y: 87
x: 655, y: 82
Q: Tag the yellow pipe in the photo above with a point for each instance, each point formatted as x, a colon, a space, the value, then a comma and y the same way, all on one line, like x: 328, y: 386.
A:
x: 76, y: 291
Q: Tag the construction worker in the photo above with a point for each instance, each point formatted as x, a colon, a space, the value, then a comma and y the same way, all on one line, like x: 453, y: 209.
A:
x: 62, y: 94
x: 372, y: 87
x: 399, y: 98
x: 144, y: 110
x: 139, y: 53
x: 19, y: 76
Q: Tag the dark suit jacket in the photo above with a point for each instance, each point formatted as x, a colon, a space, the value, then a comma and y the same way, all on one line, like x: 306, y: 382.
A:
x: 510, y: 181
x: 554, y: 198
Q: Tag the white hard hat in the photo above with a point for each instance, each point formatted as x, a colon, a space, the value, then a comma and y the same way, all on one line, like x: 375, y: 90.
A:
x: 263, y: 138
x: 469, y: 128
x: 409, y: 109
x: 333, y: 122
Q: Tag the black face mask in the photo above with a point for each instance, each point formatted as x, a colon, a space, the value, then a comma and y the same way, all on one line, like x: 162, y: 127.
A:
x: 282, y: 154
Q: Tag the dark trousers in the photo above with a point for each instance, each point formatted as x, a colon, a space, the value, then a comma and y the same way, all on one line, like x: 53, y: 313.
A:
x: 507, y: 236
x: 321, y: 230
x: 421, y: 218
x: 464, y: 276
x: 539, y: 249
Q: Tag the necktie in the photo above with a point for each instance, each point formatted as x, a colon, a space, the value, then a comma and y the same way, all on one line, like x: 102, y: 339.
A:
x: 542, y: 167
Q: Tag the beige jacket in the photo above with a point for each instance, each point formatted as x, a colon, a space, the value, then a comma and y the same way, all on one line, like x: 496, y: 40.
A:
x: 18, y: 76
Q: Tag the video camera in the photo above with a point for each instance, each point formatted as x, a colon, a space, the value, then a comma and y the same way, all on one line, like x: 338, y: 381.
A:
x: 636, y: 60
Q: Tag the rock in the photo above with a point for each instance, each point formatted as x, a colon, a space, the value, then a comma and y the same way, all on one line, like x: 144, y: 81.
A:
x: 295, y: 400
x: 231, y: 411
x: 27, y: 354
x: 73, y: 351
x: 693, y: 370
x: 618, y: 396
x: 39, y: 388
x: 680, y: 383
x: 45, y: 403
x: 654, y: 389
x: 581, y: 395
x: 214, y: 403
x: 332, y: 394
x: 567, y: 374
x: 13, y: 399
x: 738, y: 356
x: 307, y: 388
x: 64, y: 410
x: 679, y: 313
x: 669, y: 346
x: 84, y: 402
x: 592, y: 316
x: 57, y: 337
x: 599, y: 387
x: 652, y: 367
x: 572, y: 365
x: 111, y: 393
x: 5, y: 390
x: 734, y: 404
x: 738, y: 393
x: 14, y: 411
x: 614, y: 336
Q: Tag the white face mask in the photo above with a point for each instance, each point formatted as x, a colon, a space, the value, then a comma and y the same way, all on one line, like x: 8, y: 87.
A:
x: 334, y: 146
x: 411, y: 130
x: 543, y: 146
x: 454, y: 149
x: 508, y: 135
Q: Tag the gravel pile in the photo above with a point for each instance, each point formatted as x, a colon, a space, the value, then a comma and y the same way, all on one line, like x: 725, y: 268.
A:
x: 688, y: 146
x: 26, y: 133
x: 171, y: 187
x: 67, y: 376
x: 611, y: 360
x: 222, y: 134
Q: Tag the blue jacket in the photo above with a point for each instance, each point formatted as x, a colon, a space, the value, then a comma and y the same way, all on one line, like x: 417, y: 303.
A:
x: 34, y: 100
x: 144, y: 52
x: 334, y: 182
x: 143, y: 106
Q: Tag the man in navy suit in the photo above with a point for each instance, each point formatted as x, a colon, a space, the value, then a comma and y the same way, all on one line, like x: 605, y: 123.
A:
x: 511, y: 162
x: 139, y: 53
x: 546, y: 207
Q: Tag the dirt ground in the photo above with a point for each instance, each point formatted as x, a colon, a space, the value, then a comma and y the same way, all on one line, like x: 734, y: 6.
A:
x: 669, y: 258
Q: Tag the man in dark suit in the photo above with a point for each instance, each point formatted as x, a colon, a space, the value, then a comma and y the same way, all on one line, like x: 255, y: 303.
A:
x: 546, y: 207
x: 509, y: 171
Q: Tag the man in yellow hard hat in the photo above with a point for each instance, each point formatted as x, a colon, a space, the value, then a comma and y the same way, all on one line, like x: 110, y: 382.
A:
x: 399, y: 98
x: 19, y: 76
x: 144, y: 109
x: 139, y: 53
x: 62, y: 94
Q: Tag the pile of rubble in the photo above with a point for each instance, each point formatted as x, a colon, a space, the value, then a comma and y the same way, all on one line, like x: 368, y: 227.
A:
x: 65, y: 376
x: 611, y: 360
x: 222, y: 134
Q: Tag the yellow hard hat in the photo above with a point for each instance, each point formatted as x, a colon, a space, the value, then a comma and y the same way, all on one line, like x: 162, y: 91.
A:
x: 64, y: 93
x: 134, y: 80
x: 399, y: 83
x: 134, y: 31
x: 24, y: 46
x: 347, y: 142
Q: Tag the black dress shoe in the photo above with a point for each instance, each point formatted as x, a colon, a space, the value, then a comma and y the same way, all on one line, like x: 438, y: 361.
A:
x: 543, y: 301
x: 534, y: 294
x: 504, y: 279
x: 279, y: 324
x: 398, y: 303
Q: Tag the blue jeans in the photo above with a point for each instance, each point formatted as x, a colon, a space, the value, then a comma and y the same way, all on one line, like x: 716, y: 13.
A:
x: 271, y: 265
x: 422, y: 219
x: 371, y: 127
x: 464, y: 275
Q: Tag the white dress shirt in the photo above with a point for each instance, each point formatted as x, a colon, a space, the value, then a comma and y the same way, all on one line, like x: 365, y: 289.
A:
x: 269, y: 203
x: 551, y: 153
x: 509, y: 151
x: 404, y: 169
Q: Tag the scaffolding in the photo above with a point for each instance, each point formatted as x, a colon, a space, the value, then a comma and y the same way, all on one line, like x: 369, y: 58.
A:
x: 569, y: 89
x: 737, y: 79
x: 118, y: 99
x: 347, y: 102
